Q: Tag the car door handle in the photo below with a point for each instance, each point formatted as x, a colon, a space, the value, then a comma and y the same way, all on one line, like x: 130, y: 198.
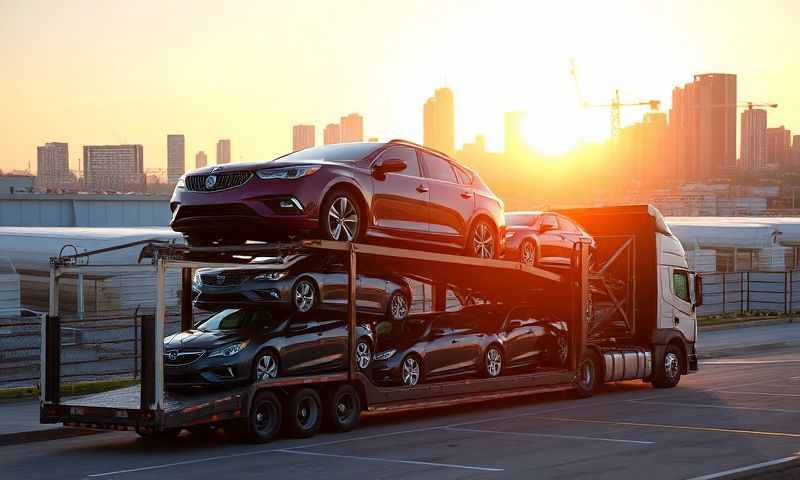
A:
x: 466, y: 194
x: 422, y: 188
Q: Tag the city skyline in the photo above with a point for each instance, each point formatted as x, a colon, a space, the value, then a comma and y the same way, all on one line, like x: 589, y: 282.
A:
x: 98, y: 98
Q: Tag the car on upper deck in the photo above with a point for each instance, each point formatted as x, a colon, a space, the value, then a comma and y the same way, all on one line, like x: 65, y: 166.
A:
x: 543, y: 239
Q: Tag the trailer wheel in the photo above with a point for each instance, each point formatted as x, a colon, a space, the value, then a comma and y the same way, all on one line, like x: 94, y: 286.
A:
x: 588, y: 379
x: 264, y: 421
x: 342, y: 408
x: 668, y: 371
x: 304, y: 413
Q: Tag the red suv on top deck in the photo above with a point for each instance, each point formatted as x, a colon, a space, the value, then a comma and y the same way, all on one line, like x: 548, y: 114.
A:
x: 396, y: 190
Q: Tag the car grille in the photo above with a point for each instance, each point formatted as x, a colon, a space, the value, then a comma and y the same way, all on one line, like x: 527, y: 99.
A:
x: 222, y: 210
x: 178, y: 357
x: 224, y: 181
x: 225, y: 278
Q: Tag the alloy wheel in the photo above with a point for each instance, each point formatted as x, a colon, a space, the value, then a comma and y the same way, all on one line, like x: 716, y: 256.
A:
x: 483, y: 241
x: 304, y: 296
x: 343, y: 220
x: 528, y: 254
x: 494, y: 362
x: 363, y: 355
x: 672, y: 366
x: 563, y: 350
x: 266, y: 368
x: 399, y: 307
x: 410, y: 371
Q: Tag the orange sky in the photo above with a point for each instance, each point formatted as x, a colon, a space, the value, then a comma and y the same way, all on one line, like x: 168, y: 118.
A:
x: 98, y: 72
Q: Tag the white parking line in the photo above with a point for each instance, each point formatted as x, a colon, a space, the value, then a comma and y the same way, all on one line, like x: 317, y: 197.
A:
x: 725, y: 473
x: 552, y: 435
x: 761, y: 393
x: 179, y: 464
x: 393, y: 460
x: 724, y: 407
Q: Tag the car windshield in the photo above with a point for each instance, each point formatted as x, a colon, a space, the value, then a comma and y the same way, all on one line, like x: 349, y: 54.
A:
x: 240, y: 319
x: 520, y: 219
x: 341, y: 152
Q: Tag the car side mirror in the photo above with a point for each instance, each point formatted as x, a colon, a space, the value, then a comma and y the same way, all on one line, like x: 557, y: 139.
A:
x: 698, y: 289
x: 516, y: 323
x: 390, y: 165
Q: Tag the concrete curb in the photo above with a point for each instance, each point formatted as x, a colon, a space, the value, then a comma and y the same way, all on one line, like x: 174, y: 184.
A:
x: 749, y: 323
x: 19, y: 438
x: 732, y: 352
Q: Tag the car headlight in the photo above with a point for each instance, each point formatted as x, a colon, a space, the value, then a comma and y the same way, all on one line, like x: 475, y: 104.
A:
x: 385, y: 355
x: 181, y: 183
x: 229, y: 350
x: 510, y: 234
x: 196, y: 280
x: 288, y: 173
x: 273, y: 276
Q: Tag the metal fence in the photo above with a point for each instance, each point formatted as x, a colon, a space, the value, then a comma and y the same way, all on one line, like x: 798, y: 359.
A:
x: 739, y: 292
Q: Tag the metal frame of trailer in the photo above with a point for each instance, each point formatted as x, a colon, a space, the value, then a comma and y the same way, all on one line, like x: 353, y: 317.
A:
x: 147, y: 406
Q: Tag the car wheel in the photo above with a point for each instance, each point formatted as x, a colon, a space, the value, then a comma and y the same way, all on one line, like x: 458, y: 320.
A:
x: 562, y: 350
x: 363, y: 354
x: 493, y: 361
x: 482, y: 242
x: 264, y: 421
x: 342, y: 408
x: 411, y: 371
x: 527, y: 253
x: 668, y: 372
x: 588, y: 379
x: 398, y: 307
x: 265, y: 367
x: 304, y: 295
x: 304, y: 413
x: 342, y: 218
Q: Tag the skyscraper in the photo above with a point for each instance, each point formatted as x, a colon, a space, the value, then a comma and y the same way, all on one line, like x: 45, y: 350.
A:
x: 52, y: 166
x: 302, y: 137
x: 176, y: 157
x: 513, y: 126
x: 778, y: 146
x: 796, y: 151
x: 703, y: 126
x: 113, y: 167
x: 351, y: 128
x: 331, y: 134
x: 200, y: 160
x: 753, y: 152
x: 223, y: 152
x: 438, y: 119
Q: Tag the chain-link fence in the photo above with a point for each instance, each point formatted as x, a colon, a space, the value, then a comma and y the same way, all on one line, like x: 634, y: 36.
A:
x: 739, y: 292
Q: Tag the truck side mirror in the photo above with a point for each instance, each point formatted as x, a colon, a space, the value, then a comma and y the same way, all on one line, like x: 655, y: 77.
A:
x: 698, y: 289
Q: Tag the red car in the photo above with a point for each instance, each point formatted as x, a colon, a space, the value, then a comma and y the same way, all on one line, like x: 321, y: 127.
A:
x: 395, y: 190
x: 543, y: 239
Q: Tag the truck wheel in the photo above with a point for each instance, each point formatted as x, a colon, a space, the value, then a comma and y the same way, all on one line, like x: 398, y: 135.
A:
x: 304, y: 413
x: 588, y: 373
x: 342, y: 408
x: 668, y: 372
x: 264, y: 421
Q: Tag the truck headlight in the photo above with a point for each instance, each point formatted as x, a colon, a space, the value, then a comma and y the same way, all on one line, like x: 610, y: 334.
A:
x: 229, y: 350
x: 272, y: 276
x: 385, y: 355
x: 288, y: 173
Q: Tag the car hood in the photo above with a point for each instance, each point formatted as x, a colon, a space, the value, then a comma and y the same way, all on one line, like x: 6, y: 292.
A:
x: 203, y: 339
x: 253, y: 166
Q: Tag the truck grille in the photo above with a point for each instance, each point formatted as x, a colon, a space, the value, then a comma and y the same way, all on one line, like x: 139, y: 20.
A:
x: 223, y: 181
x: 225, y: 278
x: 177, y: 357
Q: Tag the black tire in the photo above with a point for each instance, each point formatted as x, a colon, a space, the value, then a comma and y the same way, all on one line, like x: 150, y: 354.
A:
x: 482, y: 240
x: 493, y: 359
x: 264, y: 421
x: 342, y: 408
x: 263, y: 369
x: 397, y: 307
x: 364, y: 354
x: 408, y: 378
x: 304, y: 413
x: 527, y: 253
x: 305, y: 295
x: 352, y: 231
x: 589, y: 371
x: 667, y: 372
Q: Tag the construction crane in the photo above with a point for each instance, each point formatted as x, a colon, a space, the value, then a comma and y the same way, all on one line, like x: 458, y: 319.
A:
x: 747, y: 105
x: 615, y: 105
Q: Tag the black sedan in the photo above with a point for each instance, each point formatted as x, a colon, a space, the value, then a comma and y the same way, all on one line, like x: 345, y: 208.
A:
x: 304, y: 282
x: 476, y: 340
x: 544, y: 239
x: 238, y: 346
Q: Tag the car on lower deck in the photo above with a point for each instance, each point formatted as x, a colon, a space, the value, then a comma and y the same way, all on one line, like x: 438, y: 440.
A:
x: 241, y: 346
x: 543, y: 239
x: 395, y: 191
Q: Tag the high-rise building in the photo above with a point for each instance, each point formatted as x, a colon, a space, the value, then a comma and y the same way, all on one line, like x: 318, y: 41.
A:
x: 302, y: 137
x: 778, y: 146
x: 703, y: 126
x: 331, y: 134
x: 176, y: 157
x: 642, y: 151
x: 438, y: 120
x: 351, y: 128
x: 113, y: 168
x: 52, y: 166
x: 796, y: 151
x: 753, y: 152
x: 223, y: 151
x: 513, y: 127
x: 200, y: 160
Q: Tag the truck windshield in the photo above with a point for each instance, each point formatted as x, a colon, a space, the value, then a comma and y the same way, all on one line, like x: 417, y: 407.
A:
x: 239, y: 319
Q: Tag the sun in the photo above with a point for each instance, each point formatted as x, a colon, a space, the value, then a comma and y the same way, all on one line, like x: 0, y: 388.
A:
x: 551, y: 133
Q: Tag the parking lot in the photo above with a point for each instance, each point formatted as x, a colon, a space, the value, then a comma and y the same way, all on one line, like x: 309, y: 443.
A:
x: 736, y: 413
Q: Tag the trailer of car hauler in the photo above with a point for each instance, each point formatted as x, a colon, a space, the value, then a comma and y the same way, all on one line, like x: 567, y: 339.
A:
x: 619, y: 341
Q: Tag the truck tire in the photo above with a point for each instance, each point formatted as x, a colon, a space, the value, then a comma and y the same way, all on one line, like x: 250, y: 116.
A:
x: 304, y: 413
x: 668, y: 370
x: 588, y: 375
x: 342, y: 408
x: 264, y: 421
